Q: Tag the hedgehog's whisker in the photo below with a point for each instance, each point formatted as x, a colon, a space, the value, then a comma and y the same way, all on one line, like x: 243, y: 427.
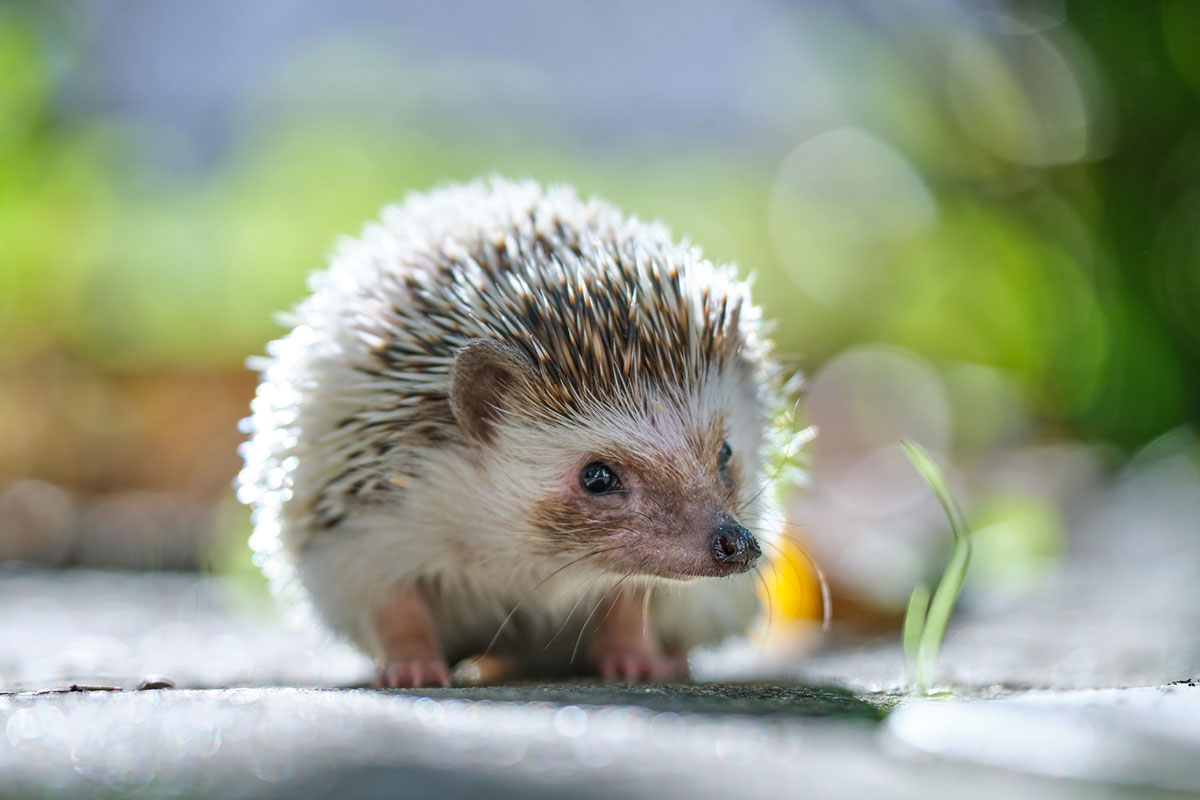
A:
x: 616, y: 592
x: 583, y: 628
x: 826, y: 595
x: 571, y: 613
x: 778, y: 519
x: 508, y: 617
x: 646, y: 611
x: 750, y: 502
x: 797, y: 580
x: 770, y: 608
x: 613, y: 591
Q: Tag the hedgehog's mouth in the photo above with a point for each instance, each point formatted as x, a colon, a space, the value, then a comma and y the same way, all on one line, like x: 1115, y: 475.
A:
x: 690, y: 575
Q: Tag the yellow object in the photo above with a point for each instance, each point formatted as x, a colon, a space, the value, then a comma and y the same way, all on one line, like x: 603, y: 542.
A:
x: 793, y: 584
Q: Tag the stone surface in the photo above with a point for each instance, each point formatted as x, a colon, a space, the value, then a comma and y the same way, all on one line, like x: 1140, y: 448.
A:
x: 1137, y: 736
x: 794, y: 731
x: 294, y: 742
x: 114, y: 629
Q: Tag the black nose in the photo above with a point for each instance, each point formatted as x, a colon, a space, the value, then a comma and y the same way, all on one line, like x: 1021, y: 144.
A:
x: 735, y: 546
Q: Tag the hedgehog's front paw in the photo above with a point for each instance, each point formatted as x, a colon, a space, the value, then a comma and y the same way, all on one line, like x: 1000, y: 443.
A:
x: 623, y: 647
x: 404, y: 628
x: 641, y: 662
x: 414, y: 673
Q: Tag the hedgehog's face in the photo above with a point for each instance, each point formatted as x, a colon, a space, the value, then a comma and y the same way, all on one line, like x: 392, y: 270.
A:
x: 669, y: 510
x: 660, y: 491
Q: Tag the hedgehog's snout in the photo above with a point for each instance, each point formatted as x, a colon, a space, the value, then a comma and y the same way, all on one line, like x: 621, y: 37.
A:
x: 734, y: 547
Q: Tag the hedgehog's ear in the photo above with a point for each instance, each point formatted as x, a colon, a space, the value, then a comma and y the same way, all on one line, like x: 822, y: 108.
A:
x: 484, y: 375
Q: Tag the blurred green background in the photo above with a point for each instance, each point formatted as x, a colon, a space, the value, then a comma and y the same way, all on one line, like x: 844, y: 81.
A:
x: 1004, y: 196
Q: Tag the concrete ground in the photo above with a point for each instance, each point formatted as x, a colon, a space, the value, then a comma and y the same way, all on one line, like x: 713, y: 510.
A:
x: 1056, y: 705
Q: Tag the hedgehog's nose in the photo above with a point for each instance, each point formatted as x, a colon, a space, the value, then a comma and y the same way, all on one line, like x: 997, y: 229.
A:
x: 734, y: 546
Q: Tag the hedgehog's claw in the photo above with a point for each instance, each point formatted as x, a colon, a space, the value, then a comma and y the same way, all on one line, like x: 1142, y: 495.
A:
x: 414, y: 673
x: 637, y: 667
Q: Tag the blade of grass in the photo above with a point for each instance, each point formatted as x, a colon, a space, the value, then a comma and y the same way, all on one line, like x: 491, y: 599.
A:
x: 932, y: 475
x: 914, y: 623
x: 949, y: 587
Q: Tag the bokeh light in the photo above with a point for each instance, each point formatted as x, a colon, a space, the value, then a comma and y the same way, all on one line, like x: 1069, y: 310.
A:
x: 976, y: 225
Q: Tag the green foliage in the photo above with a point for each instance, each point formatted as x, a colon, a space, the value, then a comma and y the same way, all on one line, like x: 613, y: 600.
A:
x: 1073, y: 277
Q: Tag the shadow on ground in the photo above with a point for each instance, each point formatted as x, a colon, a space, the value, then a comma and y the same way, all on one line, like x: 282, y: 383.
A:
x: 753, y: 699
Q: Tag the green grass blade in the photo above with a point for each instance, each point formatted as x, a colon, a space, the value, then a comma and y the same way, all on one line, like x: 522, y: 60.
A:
x: 940, y: 610
x: 932, y: 475
x: 949, y: 587
x: 914, y: 623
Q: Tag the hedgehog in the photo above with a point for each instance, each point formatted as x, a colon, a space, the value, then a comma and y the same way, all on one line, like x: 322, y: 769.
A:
x: 513, y: 423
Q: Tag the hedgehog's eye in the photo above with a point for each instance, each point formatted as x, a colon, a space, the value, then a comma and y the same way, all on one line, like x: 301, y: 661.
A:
x: 599, y: 478
x: 723, y: 456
